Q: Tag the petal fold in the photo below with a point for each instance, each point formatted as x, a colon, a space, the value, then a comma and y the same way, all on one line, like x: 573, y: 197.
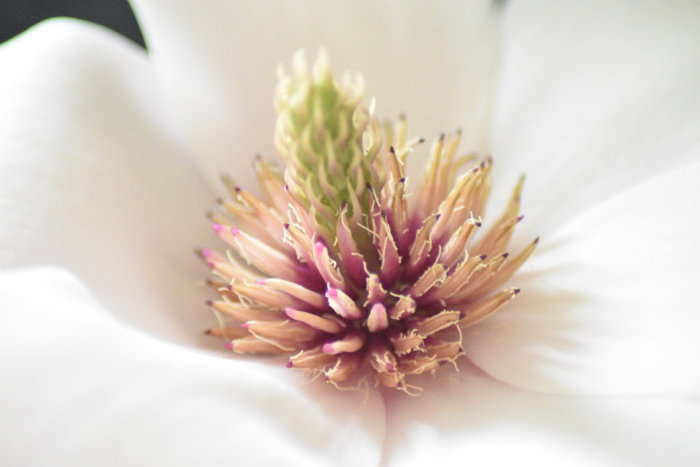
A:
x: 593, y: 98
x: 608, y: 305
x: 77, y: 384
x: 471, y: 419
x: 92, y: 178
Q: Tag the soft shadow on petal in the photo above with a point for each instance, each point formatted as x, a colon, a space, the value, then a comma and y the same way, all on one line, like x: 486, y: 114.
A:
x: 90, y: 180
x: 217, y: 60
x: 594, y: 97
x: 80, y: 388
x: 608, y: 305
x: 471, y: 419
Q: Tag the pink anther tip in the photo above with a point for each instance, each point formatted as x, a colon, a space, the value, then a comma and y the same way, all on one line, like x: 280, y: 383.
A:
x: 332, y: 293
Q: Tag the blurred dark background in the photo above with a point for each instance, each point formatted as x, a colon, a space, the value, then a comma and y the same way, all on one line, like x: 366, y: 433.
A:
x: 19, y: 15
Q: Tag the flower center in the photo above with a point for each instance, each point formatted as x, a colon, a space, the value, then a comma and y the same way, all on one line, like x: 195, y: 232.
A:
x: 334, y: 266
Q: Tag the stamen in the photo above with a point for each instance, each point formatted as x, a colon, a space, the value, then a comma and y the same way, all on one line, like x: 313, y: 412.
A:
x: 324, y: 323
x: 403, y: 308
x: 242, y: 313
x: 456, y: 246
x: 418, y: 365
x: 343, y: 304
x: 346, y: 365
x: 327, y: 267
x: 382, y: 359
x: 283, y: 330
x: 311, y: 359
x: 353, y: 261
x: 377, y: 319
x: 435, y: 323
x: 253, y: 345
x: 264, y: 295
x: 295, y: 290
x: 473, y: 313
x: 405, y: 343
x: 433, y: 276
x: 350, y: 343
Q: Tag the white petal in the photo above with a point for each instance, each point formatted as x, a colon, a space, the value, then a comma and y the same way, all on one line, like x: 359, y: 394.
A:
x: 594, y: 97
x: 470, y: 419
x: 217, y: 59
x: 90, y: 179
x: 81, y: 389
x: 608, y: 304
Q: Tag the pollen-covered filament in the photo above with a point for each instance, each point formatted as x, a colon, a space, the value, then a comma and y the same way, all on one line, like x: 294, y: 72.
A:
x: 335, y: 268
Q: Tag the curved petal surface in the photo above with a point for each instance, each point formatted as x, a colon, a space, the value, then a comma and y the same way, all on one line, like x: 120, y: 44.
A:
x: 91, y: 180
x: 608, y: 304
x: 217, y: 61
x: 471, y: 419
x: 593, y: 97
x: 79, y: 388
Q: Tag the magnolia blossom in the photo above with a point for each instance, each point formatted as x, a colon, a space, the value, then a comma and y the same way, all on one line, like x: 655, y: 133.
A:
x: 109, y: 157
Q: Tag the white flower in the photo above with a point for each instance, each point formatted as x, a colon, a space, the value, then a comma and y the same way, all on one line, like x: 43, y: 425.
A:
x: 107, y: 158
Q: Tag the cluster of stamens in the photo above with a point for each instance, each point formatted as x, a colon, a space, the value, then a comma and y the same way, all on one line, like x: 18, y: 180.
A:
x: 334, y: 267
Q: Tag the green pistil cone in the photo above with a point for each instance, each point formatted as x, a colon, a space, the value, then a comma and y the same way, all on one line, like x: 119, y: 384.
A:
x: 328, y: 141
